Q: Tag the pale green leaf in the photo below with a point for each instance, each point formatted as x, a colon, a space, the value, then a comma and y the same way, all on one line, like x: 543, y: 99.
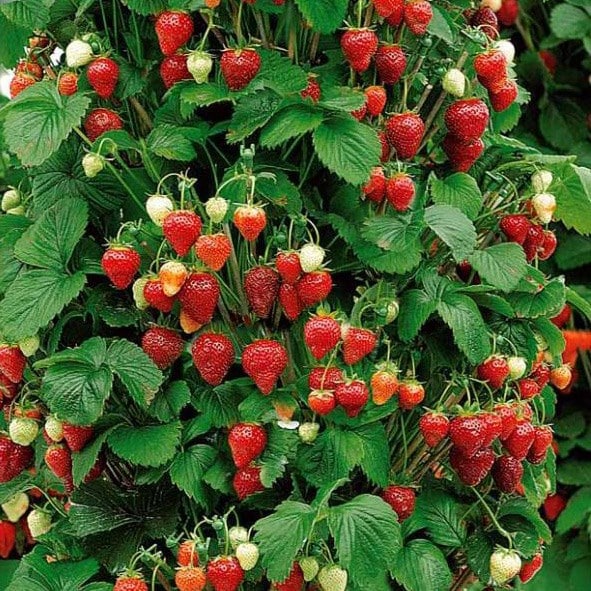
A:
x: 203, y: 95
x: 14, y: 38
x: 576, y: 510
x: 32, y: 14
x: 569, y: 22
x: 546, y: 301
x: 572, y: 188
x: 438, y: 27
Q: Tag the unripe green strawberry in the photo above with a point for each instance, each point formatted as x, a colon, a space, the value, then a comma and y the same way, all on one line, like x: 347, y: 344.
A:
x: 504, y: 565
x: 517, y: 367
x: 308, y: 432
x: 138, y: 293
x: 29, y: 345
x: 199, y: 63
x: 16, y: 507
x: 19, y: 210
x: 454, y: 83
x: 237, y: 535
x: 54, y: 428
x: 544, y: 205
x: 216, y: 208
x: 23, y: 430
x: 78, y: 53
x: 247, y: 554
x: 333, y: 578
x: 541, y: 180
x: 10, y: 199
x: 310, y: 568
x: 311, y: 257
x: 392, y: 310
x: 158, y: 207
x: 39, y: 522
x: 93, y: 163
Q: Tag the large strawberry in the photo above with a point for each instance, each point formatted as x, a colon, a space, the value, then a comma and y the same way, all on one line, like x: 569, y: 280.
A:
x: 264, y: 361
x: 190, y: 578
x: 199, y: 296
x: 261, y: 285
x: 494, y: 370
x: 384, y: 384
x: 181, y: 229
x: 19, y: 83
x: 14, y: 458
x: 410, y: 394
x: 405, y: 132
x: 375, y: 189
x: 213, y: 355
x: 174, y: 69
x: 504, y: 565
x: 491, y: 68
x: 162, y: 345
x: 418, y: 15
x: 172, y: 275
x: 214, y: 250
x: 187, y: 554
x: 7, y: 538
x: 325, y: 378
x: 542, y: 441
x: 507, y: 473
x: 333, y: 578
x: 434, y: 427
x: 359, y: 46
x: 461, y: 154
x: 322, y: 334
x: 247, y: 482
x: 467, y: 433
x: 503, y: 95
x: 103, y: 74
x: 12, y: 363
x: 120, y: 264
x: 173, y: 29
x: 322, y: 402
x: 357, y: 344
x: 225, y: 573
x: 486, y: 20
x: 375, y: 100
x: 59, y: 460
x: 130, y: 581
x: 471, y: 470
x: 401, y: 499
x: 391, y: 10
x: 314, y: 287
x: 247, y: 442
x: 352, y: 396
x: 515, y: 227
x: 508, y: 419
x: 77, y: 436
x: 530, y: 569
x: 467, y: 119
x: 154, y: 295
x: 400, y: 191
x: 239, y: 67
x: 290, y: 301
x: 100, y: 121
x: 520, y: 440
x: 288, y: 266
x: 390, y: 63
x: 250, y: 220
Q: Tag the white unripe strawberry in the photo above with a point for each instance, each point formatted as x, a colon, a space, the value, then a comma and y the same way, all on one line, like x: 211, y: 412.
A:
x: 541, y: 180
x: 216, y: 208
x: 308, y: 432
x: 137, y: 290
x: 333, y: 578
x: 19, y: 210
x: 544, y: 205
x: 199, y: 64
x: 311, y: 257
x: 158, y: 207
x: 16, y: 507
x: 11, y: 199
x: 93, y: 163
x: 237, y: 535
x: 78, y: 53
x: 517, y: 367
x: 39, y: 522
x: 54, y: 428
x: 494, y: 5
x: 507, y: 49
x: 454, y: 82
x: 247, y: 554
x: 504, y: 565
x: 29, y: 345
x: 23, y: 430
x: 310, y: 568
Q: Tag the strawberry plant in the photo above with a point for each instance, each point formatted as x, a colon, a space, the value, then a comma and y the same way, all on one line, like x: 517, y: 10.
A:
x: 275, y: 291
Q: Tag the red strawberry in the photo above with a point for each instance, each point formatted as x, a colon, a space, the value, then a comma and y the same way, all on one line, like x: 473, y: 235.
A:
x: 400, y: 191
x: 250, y: 221
x: 504, y: 95
x: 14, y: 458
x: 405, y: 132
x: 548, y: 246
x: 417, y: 16
x: 181, y: 229
x: 288, y: 266
x: 321, y: 335
x: 12, y: 363
x: 8, y: 389
x: 520, y: 440
x: 239, y: 67
x: 174, y: 69
x: 528, y: 388
x: 19, y: 83
x: 7, y: 538
x: 486, y: 20
x: 77, y: 436
x: 360, y: 113
x: 225, y: 573
x: 213, y: 355
x: 133, y: 582
x: 162, y: 345
x: 467, y: 119
x: 553, y: 506
x: 563, y: 316
x: 59, y: 460
x: 30, y: 68
x: 531, y: 568
x: 495, y: 370
x: 214, y: 250
x: 103, y: 74
x: 541, y: 374
x: 67, y: 84
x: 402, y: 499
x: 384, y: 384
x: 187, y: 553
x: 375, y: 100
x: 386, y: 149
x: 247, y: 481
x: 314, y: 287
x: 293, y: 582
x: 467, y: 432
x: 508, y: 13
x: 359, y: 46
x: 515, y: 227
x: 325, y: 378
x: 247, y: 442
x: 491, y: 68
x: 471, y: 470
x: 155, y: 296
x: 199, y: 296
x: 100, y: 121
x: 261, y: 285
x: 97, y: 469
x: 312, y: 91
x: 534, y: 241
x: 190, y: 579
x: 410, y: 394
x: 120, y: 264
x: 507, y: 473
x: 462, y: 155
x: 264, y: 361
x: 173, y: 29
x: 352, y: 396
x: 389, y: 9
x: 357, y: 344
x: 543, y: 437
x: 322, y: 401
x: 434, y: 427
x: 375, y: 189
x: 290, y: 301
x: 493, y: 427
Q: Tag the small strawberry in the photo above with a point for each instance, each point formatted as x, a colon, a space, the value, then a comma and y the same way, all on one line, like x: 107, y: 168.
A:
x: 322, y: 334
x: 467, y: 119
x: 19, y: 83
x: 515, y: 227
x: 517, y: 366
x: 187, y: 553
x: 100, y: 121
x: 493, y: 427
x: 410, y: 394
x: 352, y: 396
x: 311, y: 257
x: 561, y: 377
x: 130, y: 582
x: 359, y: 46
x: 494, y: 371
x: 508, y: 13
x: 454, y: 83
x: 199, y: 64
x: 239, y: 67
x: 182, y: 228
x: 375, y: 189
x: 462, y: 155
x: 261, y: 286
x: 548, y: 246
x: 158, y: 207
x: 543, y: 437
x: 77, y: 436
x: 314, y: 287
x: 534, y: 242
x: 486, y: 20
x: 417, y: 16
x: 391, y: 10
x: 247, y: 554
x: 293, y: 582
x: 288, y: 266
x: 357, y: 344
x: 520, y: 440
x: 467, y: 432
x: 224, y: 573
x: 39, y: 522
x: 102, y: 75
x: 553, y: 506
x: 322, y: 402
x: 153, y: 293
x: 250, y: 220
x: 12, y: 363
x: 173, y: 29
x: 541, y: 180
x: 14, y: 458
x: 213, y: 250
x: 360, y: 113
x: 199, y: 296
x: 120, y: 264
x: 59, y: 460
x: 190, y: 578
x: 247, y: 442
x: 15, y: 507
x: 67, y: 84
x: 78, y: 53
x: 172, y: 275
x: 290, y: 301
x: 471, y: 470
x: 93, y: 164
x: 507, y: 473
x: 264, y: 361
x: 504, y: 565
x: 405, y: 132
x: 375, y: 99
x: 333, y: 578
x: 504, y: 95
x: 162, y: 345
x: 312, y: 90
x: 402, y: 500
x: 30, y: 68
x: 23, y: 430
x: 528, y: 388
x: 400, y: 191
x: 325, y: 378
x: 434, y: 427
x: 308, y: 432
x: 247, y: 482
x: 213, y: 355
x: 530, y: 569
x: 384, y: 384
x: 491, y: 68
x: 174, y: 69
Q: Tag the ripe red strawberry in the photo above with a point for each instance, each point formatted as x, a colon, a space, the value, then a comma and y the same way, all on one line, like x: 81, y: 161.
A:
x: 360, y: 113
x: 261, y: 285
x: 67, y: 84
x: 507, y: 473
x: 402, y: 499
x: 410, y: 394
x: 59, y: 460
x: 515, y: 227
x: 541, y: 374
x: 359, y: 46
x: 322, y: 401
x: 357, y: 344
x: 7, y: 538
x: 520, y: 440
x: 375, y: 189
x: 250, y: 221
x: 100, y: 121
x: 314, y: 287
x: 30, y: 68
x: 493, y: 427
x: 467, y: 119
x: 264, y: 361
x: 400, y: 191
x: 543, y: 437
x: 199, y: 296
x: 103, y: 74
x: 375, y: 100
x: 14, y: 458
x: 417, y: 16
x: 97, y: 469
x: 214, y: 250
x: 173, y: 29
x: 12, y: 363
x: 434, y: 427
x: 182, y: 228
x: 325, y: 378
x: 131, y: 582
x: 386, y: 149
x: 213, y: 355
x: 467, y: 432
x: 290, y: 301
x: 530, y: 569
x: 174, y: 69
x: 508, y: 13
x: 187, y: 553
x: 486, y: 20
x: 225, y: 573
x: 155, y: 296
x: 19, y: 83
x: 312, y: 91
x: 495, y: 370
x: 504, y: 95
x: 162, y: 345
x: 462, y: 155
x: 247, y: 481
x: 548, y: 246
x: 553, y: 506
x: 405, y: 132
x: 563, y: 316
x: 528, y: 388
x: 491, y: 68
x: 293, y: 582
x: 77, y: 436
x: 190, y: 578
x: 322, y: 334
x: 8, y: 389
x: 352, y: 396
x: 389, y: 9
x: 247, y: 442
x: 471, y: 470
x: 239, y: 67
x: 288, y: 266
x: 384, y: 385
x: 120, y: 264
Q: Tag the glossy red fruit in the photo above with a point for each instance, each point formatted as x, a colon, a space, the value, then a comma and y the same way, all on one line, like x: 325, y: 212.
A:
x: 199, y: 296
x: 213, y: 250
x: 467, y: 119
x: 504, y: 95
x: 553, y: 506
x: 213, y: 355
x: 247, y: 482
x: 19, y: 83
x: 288, y: 266
x: 352, y: 396
x: 313, y: 90
x: 261, y: 285
x: 389, y: 9
x: 548, y: 245
x: 434, y: 427
x: 7, y: 538
x: 495, y: 370
x: 418, y: 15
x: 386, y: 149
x: 515, y: 227
x: 462, y: 155
x: 67, y: 84
x: 239, y: 67
x: 174, y: 69
x: 359, y: 46
x: 405, y: 132
x: 224, y: 573
x: 472, y: 470
x: 543, y: 437
x: 325, y: 378
x: 187, y: 554
x: 375, y: 189
x: 321, y: 335
x: 520, y: 440
x: 130, y: 583
x: 402, y: 499
x: 322, y: 401
x: 264, y: 361
x: 250, y: 220
x: 162, y: 345
x: 155, y: 296
x: 400, y: 191
x: 491, y: 68
x: 357, y: 344
x: 190, y: 579
x: 493, y: 427
x: 12, y: 363
x: 531, y: 568
x: 507, y: 473
x: 29, y: 67
x: 541, y: 374
x: 173, y: 29
x: 410, y: 394
x: 77, y: 436
x: 14, y: 458
x: 247, y: 442
x: 314, y: 287
x: 508, y: 13
x: 120, y: 264
x: 467, y: 433
x: 528, y: 388
x: 486, y: 20
x: 100, y: 121
x: 375, y: 100
x: 293, y: 582
x: 390, y: 63
x: 563, y: 316
x: 59, y: 460
x: 103, y: 74
x: 290, y: 301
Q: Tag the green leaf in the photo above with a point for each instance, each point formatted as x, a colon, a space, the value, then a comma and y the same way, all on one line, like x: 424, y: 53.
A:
x: 376, y: 453
x: 348, y: 148
x: 32, y: 14
x: 573, y: 251
x: 281, y: 535
x: 171, y: 143
x: 580, y: 303
x: 569, y: 22
x: 421, y: 566
x: 35, y: 297
x: 281, y: 192
x: 394, y: 233
x: 39, y: 120
x: 148, y: 445
x: 523, y: 509
x: 355, y: 526
x: 50, y: 241
x: 570, y: 425
x: 203, y: 95
x: 562, y: 122
x: 546, y: 301
x: 293, y: 121
x: 147, y: 7
x: 551, y: 334
x: 325, y: 16
x: 20, y: 483
x: 281, y: 449
x: 220, y: 404
x: 438, y: 27
x: 576, y: 510
x: 187, y: 471
x: 341, y: 98
x: 572, y: 188
x: 415, y: 308
x: 459, y: 190
x: 83, y: 461
x: 280, y: 74
x: 479, y: 548
x: 501, y: 265
x: 251, y: 112
x: 169, y: 402
x: 575, y: 472
x: 454, y: 228
x: 14, y: 38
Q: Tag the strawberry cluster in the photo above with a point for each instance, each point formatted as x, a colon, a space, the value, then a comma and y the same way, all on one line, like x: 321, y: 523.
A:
x: 491, y: 70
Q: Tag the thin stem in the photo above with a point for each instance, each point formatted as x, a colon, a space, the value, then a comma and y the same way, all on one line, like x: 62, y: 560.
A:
x: 493, y: 518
